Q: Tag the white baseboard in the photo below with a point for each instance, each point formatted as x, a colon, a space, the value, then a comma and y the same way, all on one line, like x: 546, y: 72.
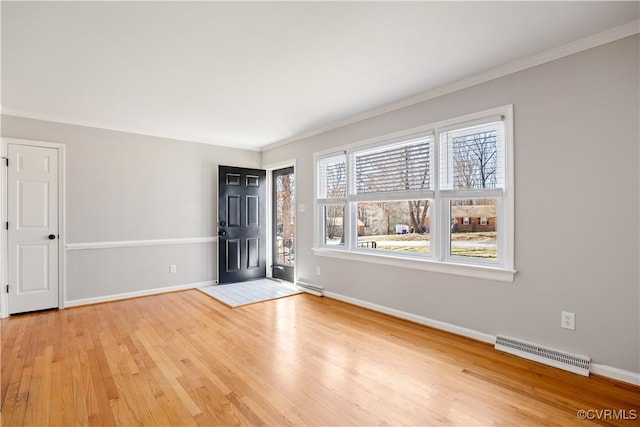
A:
x: 127, y: 295
x: 310, y: 288
x: 603, y: 370
x: 309, y: 291
x: 615, y: 373
x: 458, y: 330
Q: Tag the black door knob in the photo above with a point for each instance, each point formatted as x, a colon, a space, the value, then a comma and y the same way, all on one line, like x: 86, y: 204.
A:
x: 223, y: 224
x: 52, y: 236
x: 222, y: 233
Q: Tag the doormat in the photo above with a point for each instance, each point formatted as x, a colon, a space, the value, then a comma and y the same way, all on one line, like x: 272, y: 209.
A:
x: 250, y: 292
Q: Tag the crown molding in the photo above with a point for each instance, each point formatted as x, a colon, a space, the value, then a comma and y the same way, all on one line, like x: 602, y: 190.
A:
x: 559, y: 52
x: 96, y: 125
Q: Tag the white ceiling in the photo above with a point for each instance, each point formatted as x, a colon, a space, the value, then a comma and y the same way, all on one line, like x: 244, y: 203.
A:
x: 253, y: 74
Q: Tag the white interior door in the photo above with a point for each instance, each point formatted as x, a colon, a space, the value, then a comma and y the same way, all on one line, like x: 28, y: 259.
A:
x: 32, y: 213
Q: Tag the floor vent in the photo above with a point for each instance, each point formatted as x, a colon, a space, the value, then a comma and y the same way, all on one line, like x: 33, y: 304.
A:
x: 310, y: 288
x: 559, y: 359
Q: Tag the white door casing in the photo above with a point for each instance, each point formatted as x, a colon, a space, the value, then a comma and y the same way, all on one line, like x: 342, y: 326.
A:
x: 33, y: 233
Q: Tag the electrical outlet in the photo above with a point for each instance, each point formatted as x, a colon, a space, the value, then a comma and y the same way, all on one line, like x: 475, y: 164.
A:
x: 568, y: 320
x: 173, y: 269
x: 318, y: 270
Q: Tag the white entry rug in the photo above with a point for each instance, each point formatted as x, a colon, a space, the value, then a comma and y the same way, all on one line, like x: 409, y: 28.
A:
x: 250, y: 292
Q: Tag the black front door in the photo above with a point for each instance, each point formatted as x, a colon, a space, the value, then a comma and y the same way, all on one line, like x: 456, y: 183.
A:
x: 241, y: 224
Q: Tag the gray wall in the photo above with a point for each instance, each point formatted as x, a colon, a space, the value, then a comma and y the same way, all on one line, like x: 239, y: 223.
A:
x: 577, y: 220
x: 127, y: 187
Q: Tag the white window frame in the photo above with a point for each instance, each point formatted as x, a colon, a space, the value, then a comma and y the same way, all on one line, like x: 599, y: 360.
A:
x: 501, y: 270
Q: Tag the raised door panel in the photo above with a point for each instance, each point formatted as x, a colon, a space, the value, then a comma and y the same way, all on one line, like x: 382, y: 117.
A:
x: 32, y: 268
x: 233, y: 255
x: 33, y: 205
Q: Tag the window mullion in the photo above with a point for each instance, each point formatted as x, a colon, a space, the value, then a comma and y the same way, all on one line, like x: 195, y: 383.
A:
x: 500, y: 229
x: 348, y: 209
x: 336, y: 201
x: 393, y: 196
x: 351, y: 234
x: 436, y: 218
x: 473, y: 194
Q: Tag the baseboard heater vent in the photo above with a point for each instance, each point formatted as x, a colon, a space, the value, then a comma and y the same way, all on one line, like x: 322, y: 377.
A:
x: 559, y: 359
x: 310, y: 288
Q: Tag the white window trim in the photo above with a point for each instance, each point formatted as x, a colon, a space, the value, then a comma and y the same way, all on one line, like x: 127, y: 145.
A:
x: 504, y: 271
x: 425, y: 264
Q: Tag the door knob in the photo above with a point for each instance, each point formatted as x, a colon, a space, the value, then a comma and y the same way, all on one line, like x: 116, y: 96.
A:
x: 222, y: 233
x: 52, y: 236
x: 222, y: 223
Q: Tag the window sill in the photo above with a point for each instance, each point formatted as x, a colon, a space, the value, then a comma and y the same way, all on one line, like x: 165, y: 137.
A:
x: 477, y: 271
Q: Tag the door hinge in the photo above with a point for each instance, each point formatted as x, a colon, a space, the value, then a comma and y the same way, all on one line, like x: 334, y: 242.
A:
x: 6, y: 161
x: 7, y: 288
x: 6, y: 225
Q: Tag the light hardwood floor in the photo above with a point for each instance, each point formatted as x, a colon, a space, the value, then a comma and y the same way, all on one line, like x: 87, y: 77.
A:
x: 185, y: 359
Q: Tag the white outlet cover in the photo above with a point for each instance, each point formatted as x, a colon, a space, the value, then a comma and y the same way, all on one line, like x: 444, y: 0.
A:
x: 568, y: 320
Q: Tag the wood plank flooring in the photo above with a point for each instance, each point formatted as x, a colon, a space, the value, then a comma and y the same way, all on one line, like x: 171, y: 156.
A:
x: 185, y: 359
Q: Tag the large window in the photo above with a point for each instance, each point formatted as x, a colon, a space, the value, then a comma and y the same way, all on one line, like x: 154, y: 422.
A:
x: 440, y: 194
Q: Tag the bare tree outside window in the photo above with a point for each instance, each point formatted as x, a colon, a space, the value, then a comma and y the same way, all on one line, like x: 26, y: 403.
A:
x: 335, y: 186
x: 475, y: 160
x: 334, y: 225
x: 405, y: 168
x: 475, y: 166
x: 417, y: 208
x: 336, y: 179
x: 285, y: 212
x: 390, y: 225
